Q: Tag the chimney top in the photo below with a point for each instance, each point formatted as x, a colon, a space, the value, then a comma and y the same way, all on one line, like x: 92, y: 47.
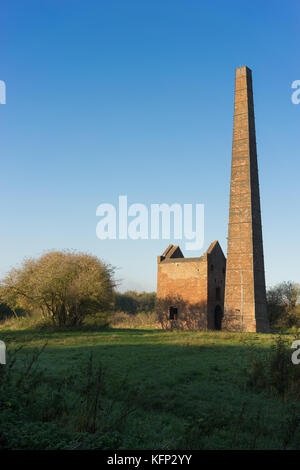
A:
x: 242, y: 71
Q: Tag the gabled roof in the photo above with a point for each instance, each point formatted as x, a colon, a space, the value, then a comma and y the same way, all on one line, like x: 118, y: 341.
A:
x: 173, y: 252
x: 215, y: 248
x: 212, y: 246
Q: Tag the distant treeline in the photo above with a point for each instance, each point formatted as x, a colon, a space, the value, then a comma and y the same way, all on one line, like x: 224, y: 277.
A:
x: 135, y: 302
x: 63, y: 288
x: 283, y: 305
x: 131, y: 302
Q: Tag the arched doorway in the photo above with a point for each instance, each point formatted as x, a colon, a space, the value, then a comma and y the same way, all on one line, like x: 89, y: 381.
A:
x: 218, y: 317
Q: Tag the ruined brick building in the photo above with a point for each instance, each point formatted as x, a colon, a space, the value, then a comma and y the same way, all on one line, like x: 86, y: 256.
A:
x: 191, y: 289
x: 207, y: 292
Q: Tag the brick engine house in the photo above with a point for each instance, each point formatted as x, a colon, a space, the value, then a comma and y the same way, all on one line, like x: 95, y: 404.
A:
x: 191, y: 290
x: 194, y: 292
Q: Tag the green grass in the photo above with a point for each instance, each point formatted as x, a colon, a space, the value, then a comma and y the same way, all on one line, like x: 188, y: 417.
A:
x: 170, y: 390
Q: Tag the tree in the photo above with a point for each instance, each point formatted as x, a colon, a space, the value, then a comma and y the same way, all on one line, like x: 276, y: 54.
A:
x: 63, y: 285
x: 133, y: 302
x: 126, y: 303
x: 7, y: 312
x: 282, y: 302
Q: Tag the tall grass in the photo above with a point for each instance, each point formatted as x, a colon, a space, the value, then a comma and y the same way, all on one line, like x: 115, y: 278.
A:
x: 37, y: 412
x: 274, y: 371
x: 141, y: 320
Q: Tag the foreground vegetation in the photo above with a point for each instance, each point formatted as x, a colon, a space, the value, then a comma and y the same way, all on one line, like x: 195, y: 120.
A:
x: 88, y: 369
x: 145, y: 388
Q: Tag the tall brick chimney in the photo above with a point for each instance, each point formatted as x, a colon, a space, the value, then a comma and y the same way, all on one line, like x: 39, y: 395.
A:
x: 245, y: 291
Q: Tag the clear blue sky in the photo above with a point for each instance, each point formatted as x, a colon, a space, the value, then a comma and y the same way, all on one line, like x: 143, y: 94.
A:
x: 136, y: 97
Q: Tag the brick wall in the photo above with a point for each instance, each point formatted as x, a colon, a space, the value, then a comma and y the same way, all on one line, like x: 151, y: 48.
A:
x: 189, y: 284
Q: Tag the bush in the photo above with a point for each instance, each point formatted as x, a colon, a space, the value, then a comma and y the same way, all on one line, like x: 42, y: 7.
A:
x: 274, y: 370
x: 282, y: 305
x: 62, y: 286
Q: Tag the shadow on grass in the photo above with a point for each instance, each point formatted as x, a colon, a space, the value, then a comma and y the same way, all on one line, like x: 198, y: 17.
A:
x: 179, y: 383
x: 32, y: 334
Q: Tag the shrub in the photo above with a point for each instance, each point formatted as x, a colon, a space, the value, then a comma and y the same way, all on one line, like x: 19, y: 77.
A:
x: 62, y: 286
x: 274, y: 370
x: 282, y: 304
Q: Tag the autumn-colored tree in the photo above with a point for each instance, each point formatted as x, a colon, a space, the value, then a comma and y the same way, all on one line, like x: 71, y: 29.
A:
x: 63, y: 285
x: 283, y: 306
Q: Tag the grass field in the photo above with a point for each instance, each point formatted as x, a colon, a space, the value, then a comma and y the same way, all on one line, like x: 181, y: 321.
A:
x: 154, y: 390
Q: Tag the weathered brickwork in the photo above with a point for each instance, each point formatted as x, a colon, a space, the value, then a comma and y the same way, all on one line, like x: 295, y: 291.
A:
x: 245, y: 292
x: 194, y: 286
x: 216, y: 268
x: 191, y: 292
